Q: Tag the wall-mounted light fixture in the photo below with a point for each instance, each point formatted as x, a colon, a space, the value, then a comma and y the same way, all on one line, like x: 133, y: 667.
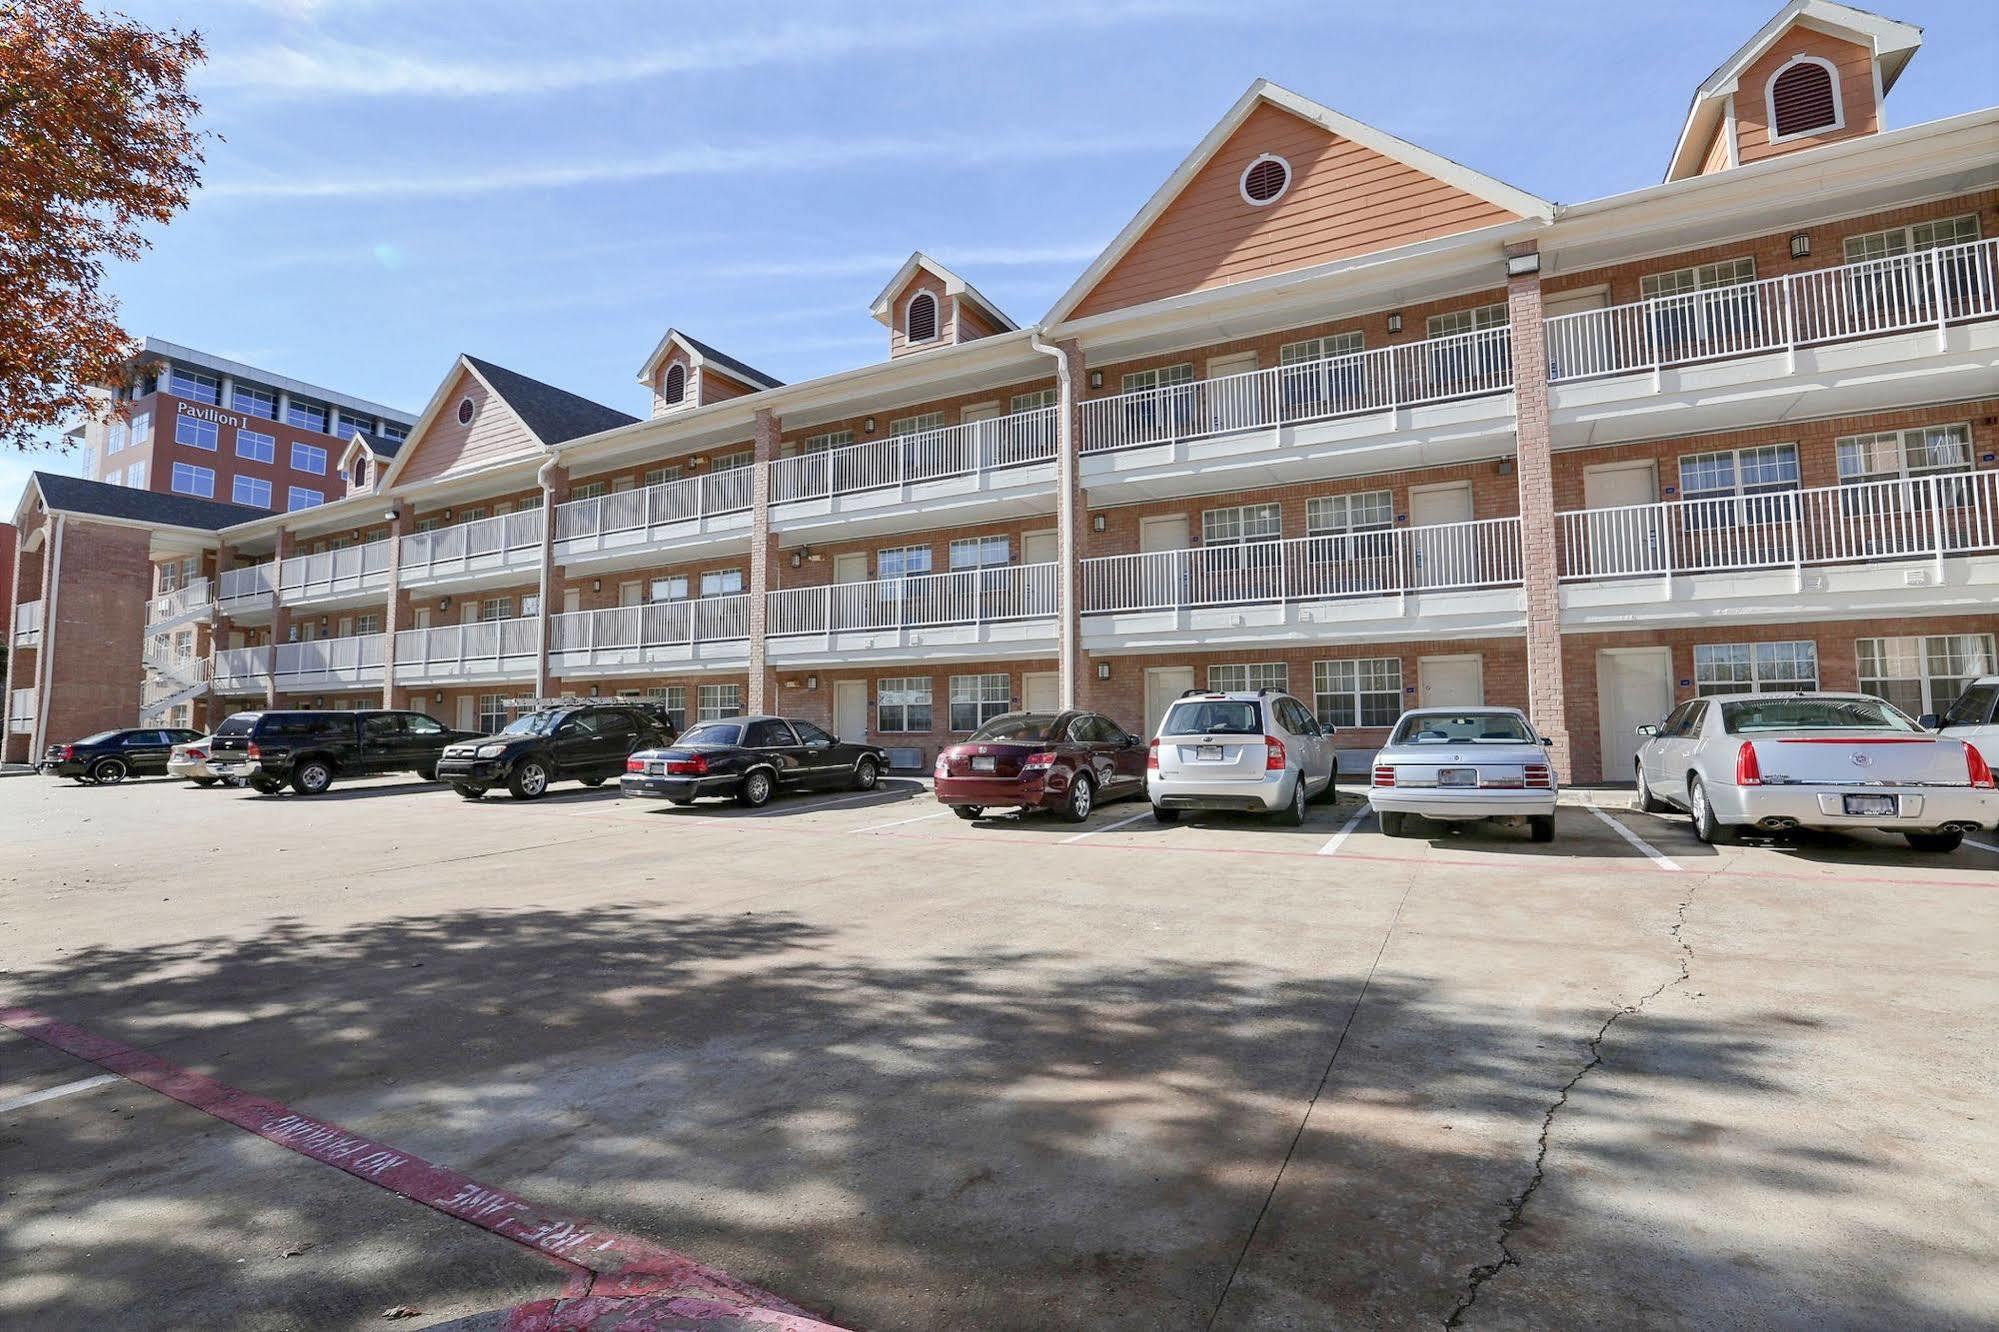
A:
x: 444, y: 604
x: 1395, y: 322
x: 322, y: 621
x: 811, y: 682
x: 869, y: 425
x: 1103, y: 670
x: 596, y: 585
x: 1096, y: 379
x: 1506, y: 467
x: 1521, y: 265
x: 447, y: 515
x: 354, y: 535
x: 1801, y: 245
x: 391, y: 516
x: 796, y: 559
x: 1096, y: 522
x: 593, y: 691
x: 438, y: 698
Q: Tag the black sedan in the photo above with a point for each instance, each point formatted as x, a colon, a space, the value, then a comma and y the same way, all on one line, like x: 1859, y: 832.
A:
x: 752, y: 759
x: 109, y: 757
x: 587, y: 742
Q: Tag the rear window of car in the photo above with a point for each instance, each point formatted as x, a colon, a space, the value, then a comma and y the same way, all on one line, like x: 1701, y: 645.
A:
x: 1813, y: 714
x: 1018, y: 726
x: 1213, y: 716
x: 1468, y: 728
x: 240, y: 724
x: 99, y: 738
x: 714, y: 733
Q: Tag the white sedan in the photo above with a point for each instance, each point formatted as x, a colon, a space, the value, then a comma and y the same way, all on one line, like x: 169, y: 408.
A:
x: 1776, y: 762
x: 1458, y: 765
x: 190, y: 762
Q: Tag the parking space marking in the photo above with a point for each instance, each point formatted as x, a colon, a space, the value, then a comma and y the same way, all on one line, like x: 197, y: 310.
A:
x: 1982, y: 846
x: 1332, y: 847
x: 897, y: 823
x: 1108, y: 827
x: 1659, y: 857
x: 777, y: 807
x: 50, y: 1093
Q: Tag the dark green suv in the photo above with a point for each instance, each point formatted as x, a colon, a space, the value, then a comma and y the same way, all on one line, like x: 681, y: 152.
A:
x: 307, y: 750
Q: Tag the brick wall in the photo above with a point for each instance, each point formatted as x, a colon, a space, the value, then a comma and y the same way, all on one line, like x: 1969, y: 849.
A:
x: 94, y: 644
x: 794, y: 698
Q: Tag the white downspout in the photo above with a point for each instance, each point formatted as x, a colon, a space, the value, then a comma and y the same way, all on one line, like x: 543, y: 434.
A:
x: 1068, y: 650
x: 541, y: 478
x: 45, y: 650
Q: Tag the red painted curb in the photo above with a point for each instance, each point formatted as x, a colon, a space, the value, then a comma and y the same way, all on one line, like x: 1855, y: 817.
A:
x: 600, y: 1262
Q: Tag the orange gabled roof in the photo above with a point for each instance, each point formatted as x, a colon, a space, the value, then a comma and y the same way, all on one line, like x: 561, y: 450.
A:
x: 1354, y: 189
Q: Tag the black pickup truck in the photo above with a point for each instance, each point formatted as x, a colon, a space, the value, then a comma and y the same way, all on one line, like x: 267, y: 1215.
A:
x: 307, y: 750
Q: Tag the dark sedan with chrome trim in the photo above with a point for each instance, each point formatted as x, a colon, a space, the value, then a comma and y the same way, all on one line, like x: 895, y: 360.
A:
x: 751, y: 759
x: 109, y: 757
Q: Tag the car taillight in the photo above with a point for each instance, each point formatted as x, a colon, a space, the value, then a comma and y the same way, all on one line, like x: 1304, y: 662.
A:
x: 1979, y: 770
x: 1539, y: 777
x: 1384, y: 774
x: 635, y: 765
x: 68, y: 753
x: 197, y: 753
x: 252, y: 752
x: 1152, y: 755
x: 1045, y: 759
x: 943, y: 766
x: 1748, y: 771
x: 689, y: 767
x: 1273, y: 754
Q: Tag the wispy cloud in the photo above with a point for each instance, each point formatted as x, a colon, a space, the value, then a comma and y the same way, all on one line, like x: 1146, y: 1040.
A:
x: 705, y: 160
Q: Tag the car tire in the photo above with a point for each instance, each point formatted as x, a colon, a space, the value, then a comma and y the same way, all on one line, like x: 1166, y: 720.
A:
x: 591, y: 781
x: 866, y: 774
x: 109, y: 771
x: 682, y: 801
x: 468, y: 791
x: 1081, y: 800
x: 1293, y: 814
x: 756, y: 789
x: 1394, y: 825
x: 312, y: 777
x: 529, y: 780
x: 1706, y: 826
x: 1541, y: 827
x: 1647, y: 802
x: 1330, y: 792
x: 1942, y: 842
x: 203, y: 781
x: 265, y: 786
x: 968, y: 812
x: 428, y: 774
x: 1161, y: 815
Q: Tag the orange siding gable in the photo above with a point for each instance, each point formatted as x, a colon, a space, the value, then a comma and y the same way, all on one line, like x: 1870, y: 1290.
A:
x: 1717, y: 150
x: 447, y: 448
x: 1344, y: 200
x: 1856, y: 94
x: 921, y: 280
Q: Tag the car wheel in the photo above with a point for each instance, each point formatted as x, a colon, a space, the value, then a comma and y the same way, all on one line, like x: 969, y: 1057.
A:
x: 968, y: 812
x: 591, y: 781
x: 866, y: 774
x: 1936, y: 841
x: 109, y: 772
x: 1541, y: 827
x: 469, y: 792
x: 265, y: 786
x: 202, y: 781
x: 530, y: 780
x: 1082, y: 799
x: 1394, y: 825
x: 1330, y: 792
x: 1293, y: 814
x: 427, y: 774
x: 756, y: 789
x: 1647, y: 802
x: 312, y: 778
x: 1706, y: 826
x: 680, y: 800
x: 1160, y: 815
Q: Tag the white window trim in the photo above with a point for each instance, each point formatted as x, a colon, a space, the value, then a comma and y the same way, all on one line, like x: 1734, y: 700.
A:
x: 936, y: 319
x: 1757, y: 680
x: 1242, y: 181
x: 1770, y: 99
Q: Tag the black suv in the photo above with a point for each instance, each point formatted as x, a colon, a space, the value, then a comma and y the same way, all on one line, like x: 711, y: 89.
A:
x: 109, y: 757
x: 585, y: 741
x: 309, y: 749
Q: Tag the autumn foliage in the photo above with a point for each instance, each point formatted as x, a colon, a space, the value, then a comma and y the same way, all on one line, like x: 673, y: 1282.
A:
x: 97, y: 139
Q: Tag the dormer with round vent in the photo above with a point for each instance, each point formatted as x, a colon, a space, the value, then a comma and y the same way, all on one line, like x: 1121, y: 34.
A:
x: 684, y: 373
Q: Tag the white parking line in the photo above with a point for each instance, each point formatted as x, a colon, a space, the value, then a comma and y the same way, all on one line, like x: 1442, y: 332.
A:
x: 1658, y: 857
x: 779, y: 806
x: 1108, y: 827
x: 1332, y: 847
x: 897, y: 823
x: 1982, y: 846
x: 50, y: 1093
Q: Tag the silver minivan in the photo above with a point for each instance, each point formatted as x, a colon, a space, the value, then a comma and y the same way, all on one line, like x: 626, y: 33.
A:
x: 1262, y: 753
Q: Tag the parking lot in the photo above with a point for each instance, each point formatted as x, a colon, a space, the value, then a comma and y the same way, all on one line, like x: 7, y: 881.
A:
x: 908, y: 1072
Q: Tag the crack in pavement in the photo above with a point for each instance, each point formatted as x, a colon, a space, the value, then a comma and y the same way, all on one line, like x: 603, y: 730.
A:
x: 1517, y: 1207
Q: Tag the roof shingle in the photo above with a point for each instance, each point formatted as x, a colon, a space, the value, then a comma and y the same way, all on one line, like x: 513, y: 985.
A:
x: 73, y: 494
x: 555, y: 415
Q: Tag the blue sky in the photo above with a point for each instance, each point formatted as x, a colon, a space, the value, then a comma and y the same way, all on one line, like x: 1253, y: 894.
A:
x: 552, y: 185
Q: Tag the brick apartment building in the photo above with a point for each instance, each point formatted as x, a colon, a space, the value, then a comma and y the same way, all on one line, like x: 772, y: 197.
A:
x: 1331, y: 414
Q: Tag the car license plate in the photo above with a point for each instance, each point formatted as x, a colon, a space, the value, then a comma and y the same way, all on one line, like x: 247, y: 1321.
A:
x: 1457, y: 776
x: 1870, y: 804
x: 982, y: 764
x: 1208, y: 753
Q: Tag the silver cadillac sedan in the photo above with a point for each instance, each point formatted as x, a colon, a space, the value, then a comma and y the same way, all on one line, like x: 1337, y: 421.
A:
x: 1775, y: 762
x: 1462, y: 764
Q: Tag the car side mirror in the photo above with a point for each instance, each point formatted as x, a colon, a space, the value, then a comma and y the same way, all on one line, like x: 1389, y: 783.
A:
x: 1647, y: 728
x: 1548, y: 740
x: 1929, y: 721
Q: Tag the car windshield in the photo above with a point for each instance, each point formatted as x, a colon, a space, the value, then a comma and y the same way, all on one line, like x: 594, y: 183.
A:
x: 534, y: 723
x: 99, y: 738
x: 1813, y: 714
x: 240, y: 724
x: 1018, y: 726
x: 1213, y: 716
x: 1463, y: 728
x: 714, y: 733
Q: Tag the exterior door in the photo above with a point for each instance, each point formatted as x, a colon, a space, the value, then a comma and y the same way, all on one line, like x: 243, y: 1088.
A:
x: 572, y: 600
x: 1233, y: 403
x: 850, y: 710
x: 1163, y: 578
x: 1163, y: 684
x: 631, y: 594
x: 1040, y: 547
x: 1634, y: 687
x: 851, y: 567
x: 1570, y: 351
x: 1625, y: 537
x: 1450, y: 682
x: 468, y: 713
x: 1041, y: 691
x: 420, y: 618
x: 1447, y: 557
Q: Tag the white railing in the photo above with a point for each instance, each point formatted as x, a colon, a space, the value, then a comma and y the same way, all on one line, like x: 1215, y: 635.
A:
x: 249, y: 582
x: 186, y: 677
x: 27, y: 624
x: 485, y: 645
x: 967, y: 596
x: 21, y: 712
x: 1463, y: 365
x: 1483, y: 553
x: 662, y: 624
x: 1926, y: 289
x: 484, y: 543
x: 184, y: 667
x: 1925, y: 517
x: 192, y: 599
x: 688, y: 500
x: 970, y: 449
x: 353, y: 657
x: 235, y: 668
x: 333, y: 572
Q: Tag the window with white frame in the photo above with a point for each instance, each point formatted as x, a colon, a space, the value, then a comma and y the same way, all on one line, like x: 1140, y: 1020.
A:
x: 116, y: 436
x: 395, y: 433
x: 659, y: 476
x: 142, y: 428
x: 1246, y: 677
x: 349, y: 425
x: 256, y: 446
x: 720, y: 700
x: 135, y: 476
x: 1363, y: 511
x: 1905, y: 240
x: 721, y: 582
x: 496, y: 608
x: 1241, y: 524
x: 527, y: 502
x: 195, y: 386
x: 370, y: 623
x: 309, y: 458
x: 191, y: 480
x: 902, y: 704
x: 254, y: 401
x: 1321, y: 349
x: 921, y: 323
x: 903, y: 561
x: 493, y: 713
x: 1923, y: 674
x: 530, y: 604
x: 733, y: 462
x: 1895, y: 454
x: 673, y: 587
x: 979, y: 552
x: 977, y: 699
x: 920, y: 424
x: 306, y: 416
x: 1755, y: 668
x: 1699, y: 277
x: 1165, y: 376
x: 1755, y: 471
x: 590, y: 490
x: 299, y: 497
x: 826, y: 440
x: 1364, y: 691
x: 673, y: 698
x: 1467, y: 321
x: 1033, y: 402
x: 196, y: 434
x: 252, y: 490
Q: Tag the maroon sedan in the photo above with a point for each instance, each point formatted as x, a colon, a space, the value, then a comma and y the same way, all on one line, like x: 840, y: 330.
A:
x: 1065, y: 761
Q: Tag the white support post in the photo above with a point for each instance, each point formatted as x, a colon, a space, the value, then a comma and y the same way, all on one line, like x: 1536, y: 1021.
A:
x: 1937, y: 296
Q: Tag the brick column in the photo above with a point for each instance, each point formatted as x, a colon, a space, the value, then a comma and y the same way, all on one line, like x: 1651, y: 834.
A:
x: 8, y: 744
x: 281, y: 617
x: 554, y: 491
x: 763, y: 562
x: 1546, y: 695
x: 392, y: 614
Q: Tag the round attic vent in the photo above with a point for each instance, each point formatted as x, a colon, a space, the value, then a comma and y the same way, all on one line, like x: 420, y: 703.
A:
x: 465, y: 412
x: 1265, y: 180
